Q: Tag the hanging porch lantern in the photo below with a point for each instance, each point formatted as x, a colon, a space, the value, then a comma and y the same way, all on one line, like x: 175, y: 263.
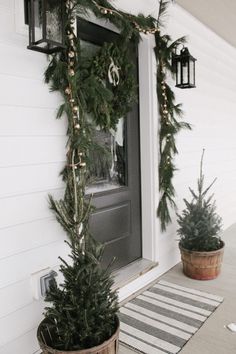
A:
x: 46, y: 25
x: 184, y: 65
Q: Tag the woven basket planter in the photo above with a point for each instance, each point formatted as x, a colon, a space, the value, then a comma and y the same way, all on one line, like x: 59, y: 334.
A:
x: 110, y: 346
x: 202, y: 265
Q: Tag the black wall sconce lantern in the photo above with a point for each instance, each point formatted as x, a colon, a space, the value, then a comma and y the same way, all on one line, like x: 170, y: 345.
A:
x: 184, y: 66
x: 46, y: 19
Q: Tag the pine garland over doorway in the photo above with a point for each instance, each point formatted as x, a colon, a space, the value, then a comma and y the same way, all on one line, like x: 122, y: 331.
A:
x: 80, y: 80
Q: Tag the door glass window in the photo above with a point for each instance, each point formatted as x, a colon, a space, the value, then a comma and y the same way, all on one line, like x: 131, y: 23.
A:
x: 107, y: 170
x: 108, y: 167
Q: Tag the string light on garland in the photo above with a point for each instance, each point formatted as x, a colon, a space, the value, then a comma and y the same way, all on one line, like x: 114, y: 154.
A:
x: 107, y: 11
x: 70, y: 5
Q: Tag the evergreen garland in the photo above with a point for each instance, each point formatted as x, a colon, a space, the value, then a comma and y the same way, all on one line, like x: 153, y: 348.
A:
x: 106, y: 103
x: 82, y: 311
x: 169, y: 124
x: 83, y: 307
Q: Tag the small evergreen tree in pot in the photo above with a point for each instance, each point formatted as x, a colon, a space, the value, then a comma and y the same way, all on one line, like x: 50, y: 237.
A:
x: 83, y: 308
x: 199, y: 228
x: 82, y: 314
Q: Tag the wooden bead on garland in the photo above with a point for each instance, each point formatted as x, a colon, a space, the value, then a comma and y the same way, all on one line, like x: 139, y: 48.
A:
x: 71, y: 54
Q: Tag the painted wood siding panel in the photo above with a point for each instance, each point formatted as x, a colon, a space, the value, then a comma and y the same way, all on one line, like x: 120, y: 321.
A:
x: 17, y: 91
x: 26, y: 344
x: 20, y: 322
x: 28, y: 236
x: 32, y: 145
x: 21, y: 266
x: 31, y: 150
x: 30, y: 121
x: 26, y: 179
x: 26, y: 208
x: 211, y: 109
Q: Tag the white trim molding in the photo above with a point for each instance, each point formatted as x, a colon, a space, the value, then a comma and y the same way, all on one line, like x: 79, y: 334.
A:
x: 148, y: 148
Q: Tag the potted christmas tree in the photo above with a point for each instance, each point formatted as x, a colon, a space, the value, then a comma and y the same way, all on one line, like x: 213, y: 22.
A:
x: 199, y: 229
x: 82, y: 315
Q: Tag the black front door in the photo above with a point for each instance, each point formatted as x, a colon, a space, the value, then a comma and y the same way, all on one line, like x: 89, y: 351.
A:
x: 116, y: 181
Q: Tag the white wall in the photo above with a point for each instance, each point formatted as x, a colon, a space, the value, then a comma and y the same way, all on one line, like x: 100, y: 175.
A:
x: 211, y: 109
x: 32, y: 152
x: 31, y: 157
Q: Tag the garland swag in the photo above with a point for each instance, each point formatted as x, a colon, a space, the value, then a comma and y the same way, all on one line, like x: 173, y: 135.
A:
x: 169, y: 124
x: 80, y: 80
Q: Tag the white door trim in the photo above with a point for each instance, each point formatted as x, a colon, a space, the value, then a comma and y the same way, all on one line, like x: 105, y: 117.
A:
x: 148, y: 148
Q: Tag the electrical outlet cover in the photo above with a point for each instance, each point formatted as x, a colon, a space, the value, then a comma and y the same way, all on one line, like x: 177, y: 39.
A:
x: 35, y: 282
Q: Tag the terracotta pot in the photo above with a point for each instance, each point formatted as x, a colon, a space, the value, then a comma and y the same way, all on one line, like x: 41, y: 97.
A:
x: 110, y: 346
x: 202, y: 265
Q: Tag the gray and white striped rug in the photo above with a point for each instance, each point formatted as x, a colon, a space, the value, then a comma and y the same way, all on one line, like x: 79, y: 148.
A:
x: 163, y: 318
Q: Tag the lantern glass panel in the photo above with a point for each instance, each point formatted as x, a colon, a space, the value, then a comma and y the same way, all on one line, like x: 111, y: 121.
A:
x: 54, y: 21
x: 36, y: 21
x: 37, y: 16
x: 185, y: 71
x: 191, y: 72
x: 178, y: 73
x: 46, y: 25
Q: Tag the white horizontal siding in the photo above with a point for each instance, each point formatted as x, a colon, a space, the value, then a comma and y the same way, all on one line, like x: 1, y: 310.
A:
x: 8, y: 4
x: 32, y: 145
x: 20, y: 322
x: 30, y: 121
x: 26, y: 344
x: 28, y: 236
x: 28, y: 63
x: 31, y: 150
x: 211, y: 109
x: 25, y: 208
x: 26, y: 92
x: 32, y: 178
x: 21, y: 266
x: 6, y: 19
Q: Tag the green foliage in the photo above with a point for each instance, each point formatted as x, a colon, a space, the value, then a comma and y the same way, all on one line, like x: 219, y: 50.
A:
x: 199, y: 223
x: 170, y: 126
x: 83, y: 310
x: 108, y: 103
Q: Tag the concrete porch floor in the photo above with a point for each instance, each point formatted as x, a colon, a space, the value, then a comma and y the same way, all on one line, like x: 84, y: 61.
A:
x: 212, y: 337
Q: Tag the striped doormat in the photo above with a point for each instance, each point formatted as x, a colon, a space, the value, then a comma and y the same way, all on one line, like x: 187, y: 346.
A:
x: 163, y: 318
